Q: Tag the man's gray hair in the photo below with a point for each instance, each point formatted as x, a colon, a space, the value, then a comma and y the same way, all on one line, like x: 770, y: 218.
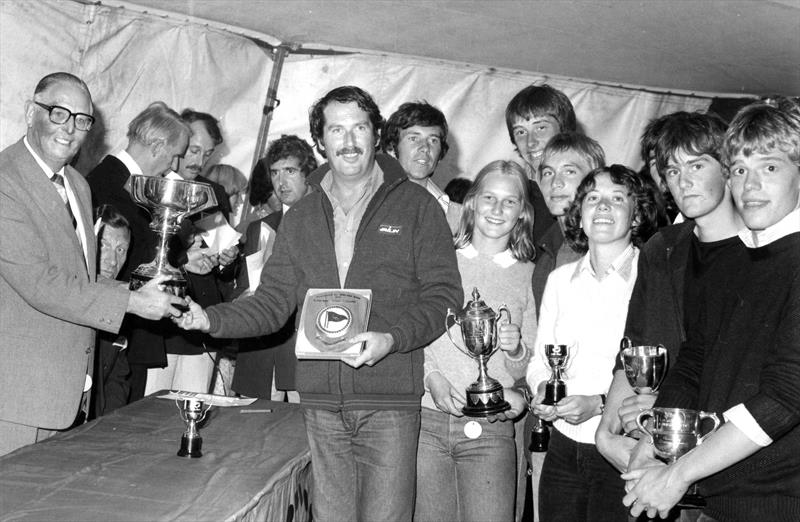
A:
x: 158, y: 123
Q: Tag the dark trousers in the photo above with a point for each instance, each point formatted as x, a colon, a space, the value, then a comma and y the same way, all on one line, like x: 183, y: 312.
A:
x: 578, y: 485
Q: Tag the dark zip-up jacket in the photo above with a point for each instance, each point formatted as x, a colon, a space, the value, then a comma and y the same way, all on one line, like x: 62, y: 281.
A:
x: 655, y: 311
x: 403, y: 252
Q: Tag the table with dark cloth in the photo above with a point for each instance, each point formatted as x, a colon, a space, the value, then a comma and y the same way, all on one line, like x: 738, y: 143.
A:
x: 255, y: 466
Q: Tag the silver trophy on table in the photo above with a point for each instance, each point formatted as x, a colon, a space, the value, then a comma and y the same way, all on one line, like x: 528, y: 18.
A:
x: 169, y: 202
x: 192, y: 411
x: 645, y: 366
x: 675, y: 432
x: 479, y: 324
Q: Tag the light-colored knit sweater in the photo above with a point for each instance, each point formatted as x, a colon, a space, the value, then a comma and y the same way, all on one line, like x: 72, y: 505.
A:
x: 500, y: 279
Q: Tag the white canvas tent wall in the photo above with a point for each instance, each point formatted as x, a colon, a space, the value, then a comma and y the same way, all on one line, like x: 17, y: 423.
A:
x: 130, y: 57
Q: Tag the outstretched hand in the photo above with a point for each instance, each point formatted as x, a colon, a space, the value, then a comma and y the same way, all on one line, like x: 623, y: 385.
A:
x: 195, y: 319
x: 152, y: 302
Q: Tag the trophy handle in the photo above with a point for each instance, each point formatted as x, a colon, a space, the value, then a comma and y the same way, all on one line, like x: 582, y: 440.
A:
x: 625, y: 342
x: 639, y: 418
x: 449, y: 321
x: 503, y: 308
x: 705, y: 415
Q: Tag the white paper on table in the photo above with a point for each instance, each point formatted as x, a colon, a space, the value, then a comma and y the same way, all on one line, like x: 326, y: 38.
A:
x: 212, y: 400
x: 256, y: 261
x: 217, y: 233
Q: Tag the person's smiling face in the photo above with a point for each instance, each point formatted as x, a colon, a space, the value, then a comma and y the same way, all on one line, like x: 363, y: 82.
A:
x: 765, y: 187
x: 55, y: 143
x: 607, y: 212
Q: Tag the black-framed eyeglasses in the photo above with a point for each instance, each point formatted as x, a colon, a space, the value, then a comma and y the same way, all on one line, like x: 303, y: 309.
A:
x: 60, y: 115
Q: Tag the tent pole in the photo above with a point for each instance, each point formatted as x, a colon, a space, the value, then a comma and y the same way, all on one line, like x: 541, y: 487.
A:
x: 271, y: 102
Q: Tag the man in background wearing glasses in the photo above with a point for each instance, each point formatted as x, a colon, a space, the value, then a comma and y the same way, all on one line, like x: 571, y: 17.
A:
x: 51, y: 301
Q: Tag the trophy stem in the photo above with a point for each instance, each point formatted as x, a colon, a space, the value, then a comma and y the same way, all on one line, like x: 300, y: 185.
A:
x: 484, y: 396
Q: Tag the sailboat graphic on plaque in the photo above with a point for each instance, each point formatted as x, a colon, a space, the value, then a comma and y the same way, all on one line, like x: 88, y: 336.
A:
x: 330, y: 318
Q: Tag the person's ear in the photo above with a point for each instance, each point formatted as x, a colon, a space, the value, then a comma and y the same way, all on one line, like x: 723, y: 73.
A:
x: 29, y: 108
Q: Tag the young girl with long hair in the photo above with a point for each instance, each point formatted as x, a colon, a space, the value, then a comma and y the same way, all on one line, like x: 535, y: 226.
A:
x: 466, y: 467
x: 584, y: 306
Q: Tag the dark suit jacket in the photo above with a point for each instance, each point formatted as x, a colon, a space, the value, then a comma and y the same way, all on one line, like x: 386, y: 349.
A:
x: 259, y: 357
x: 50, y: 301
x: 150, y: 341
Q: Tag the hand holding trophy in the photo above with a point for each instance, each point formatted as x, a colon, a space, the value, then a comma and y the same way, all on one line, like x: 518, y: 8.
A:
x: 558, y: 357
x: 675, y: 432
x: 479, y: 325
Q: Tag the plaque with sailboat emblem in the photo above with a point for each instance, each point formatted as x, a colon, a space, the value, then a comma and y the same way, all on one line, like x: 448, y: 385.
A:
x: 330, y: 318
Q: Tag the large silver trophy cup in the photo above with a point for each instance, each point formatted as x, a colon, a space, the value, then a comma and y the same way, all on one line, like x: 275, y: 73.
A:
x: 169, y: 202
x: 479, y: 325
x: 645, y: 366
x: 192, y: 411
x: 675, y: 432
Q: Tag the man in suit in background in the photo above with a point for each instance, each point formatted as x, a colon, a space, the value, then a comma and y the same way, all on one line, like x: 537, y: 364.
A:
x: 50, y: 299
x: 157, y: 136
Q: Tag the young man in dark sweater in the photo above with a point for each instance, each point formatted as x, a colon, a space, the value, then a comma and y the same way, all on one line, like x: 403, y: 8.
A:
x: 676, y: 263
x: 742, y: 356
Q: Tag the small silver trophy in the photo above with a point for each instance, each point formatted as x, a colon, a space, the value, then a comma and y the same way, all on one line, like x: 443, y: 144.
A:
x: 169, y: 202
x: 675, y: 432
x: 645, y: 366
x: 192, y: 411
x: 479, y: 324
x: 558, y: 358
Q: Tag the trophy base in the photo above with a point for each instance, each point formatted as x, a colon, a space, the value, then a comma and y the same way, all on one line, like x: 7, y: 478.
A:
x: 691, y: 500
x: 190, y: 447
x: 485, y: 403
x: 540, y: 439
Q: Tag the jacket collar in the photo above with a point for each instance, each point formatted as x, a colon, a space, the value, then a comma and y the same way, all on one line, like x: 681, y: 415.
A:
x: 393, y: 173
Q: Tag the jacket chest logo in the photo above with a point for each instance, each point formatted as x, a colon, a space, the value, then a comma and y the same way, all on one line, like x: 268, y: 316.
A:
x: 392, y: 230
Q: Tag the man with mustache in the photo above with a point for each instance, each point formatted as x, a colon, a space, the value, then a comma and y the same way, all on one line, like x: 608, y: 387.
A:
x: 189, y: 361
x: 157, y: 137
x: 416, y: 135
x: 52, y: 301
x: 364, y: 226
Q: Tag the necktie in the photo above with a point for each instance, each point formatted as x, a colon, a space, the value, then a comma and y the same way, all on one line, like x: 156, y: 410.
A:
x: 58, y: 183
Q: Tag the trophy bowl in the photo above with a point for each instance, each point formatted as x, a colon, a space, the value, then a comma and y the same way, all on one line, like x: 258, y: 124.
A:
x: 169, y: 202
x: 645, y: 366
x: 674, y: 433
x: 479, y: 323
x: 192, y: 411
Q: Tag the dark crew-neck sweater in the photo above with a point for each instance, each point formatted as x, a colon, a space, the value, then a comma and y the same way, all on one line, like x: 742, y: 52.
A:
x: 745, y: 349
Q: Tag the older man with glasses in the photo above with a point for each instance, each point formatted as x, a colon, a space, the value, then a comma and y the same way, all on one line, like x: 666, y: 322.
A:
x: 50, y: 299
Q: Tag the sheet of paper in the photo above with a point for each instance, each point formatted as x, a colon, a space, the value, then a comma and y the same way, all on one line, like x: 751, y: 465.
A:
x: 213, y: 400
x: 217, y: 233
x: 256, y: 261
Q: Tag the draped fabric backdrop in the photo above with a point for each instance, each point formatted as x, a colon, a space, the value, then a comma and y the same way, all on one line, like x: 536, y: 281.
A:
x: 130, y: 58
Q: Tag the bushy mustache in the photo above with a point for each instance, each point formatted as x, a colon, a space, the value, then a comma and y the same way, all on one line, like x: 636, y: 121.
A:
x: 350, y: 150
